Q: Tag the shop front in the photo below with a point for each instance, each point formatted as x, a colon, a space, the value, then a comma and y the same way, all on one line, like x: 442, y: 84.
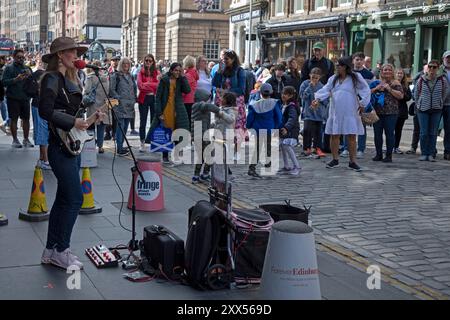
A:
x: 282, y: 41
x: 405, y: 38
x: 239, y: 32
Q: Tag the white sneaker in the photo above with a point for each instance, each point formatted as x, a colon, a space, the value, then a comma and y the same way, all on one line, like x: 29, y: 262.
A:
x: 43, y: 165
x: 360, y: 155
x: 65, y: 259
x: 3, y: 128
x: 344, y: 154
x: 142, y: 147
x: 47, y: 256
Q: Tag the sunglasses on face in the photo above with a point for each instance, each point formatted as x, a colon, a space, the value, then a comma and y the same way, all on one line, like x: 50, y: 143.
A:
x: 148, y: 60
x: 432, y: 67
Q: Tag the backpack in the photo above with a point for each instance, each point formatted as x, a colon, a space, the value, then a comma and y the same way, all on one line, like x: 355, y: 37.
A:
x: 202, y: 244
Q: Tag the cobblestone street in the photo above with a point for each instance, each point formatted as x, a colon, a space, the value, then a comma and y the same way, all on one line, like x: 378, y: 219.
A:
x: 396, y: 215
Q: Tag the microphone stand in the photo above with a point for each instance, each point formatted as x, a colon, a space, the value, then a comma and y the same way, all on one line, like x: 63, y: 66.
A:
x: 133, y: 244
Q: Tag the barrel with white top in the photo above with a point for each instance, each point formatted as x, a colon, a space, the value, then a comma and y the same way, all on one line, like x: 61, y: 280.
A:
x: 149, y: 194
x: 290, y: 269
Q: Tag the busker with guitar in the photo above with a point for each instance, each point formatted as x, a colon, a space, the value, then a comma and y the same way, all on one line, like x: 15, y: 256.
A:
x: 60, y: 100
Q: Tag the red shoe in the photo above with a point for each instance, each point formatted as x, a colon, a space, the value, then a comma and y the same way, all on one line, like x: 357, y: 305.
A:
x: 320, y: 153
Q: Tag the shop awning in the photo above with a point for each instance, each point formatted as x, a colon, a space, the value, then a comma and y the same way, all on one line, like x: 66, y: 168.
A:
x: 302, y: 24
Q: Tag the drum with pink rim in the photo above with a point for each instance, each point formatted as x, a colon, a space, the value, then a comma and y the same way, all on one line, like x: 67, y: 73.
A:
x: 149, y: 193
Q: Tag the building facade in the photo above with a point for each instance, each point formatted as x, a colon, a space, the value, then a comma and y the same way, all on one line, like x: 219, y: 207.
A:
x: 291, y: 27
x: 135, y: 28
x: 172, y: 29
x: 190, y: 32
x: 406, y: 34
x: 8, y: 19
x: 239, y: 14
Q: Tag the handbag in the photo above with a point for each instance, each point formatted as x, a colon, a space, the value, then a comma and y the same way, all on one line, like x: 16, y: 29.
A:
x: 161, y: 139
x: 369, y: 116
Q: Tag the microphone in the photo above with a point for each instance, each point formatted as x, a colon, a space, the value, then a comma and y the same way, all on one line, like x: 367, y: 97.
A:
x: 80, y: 64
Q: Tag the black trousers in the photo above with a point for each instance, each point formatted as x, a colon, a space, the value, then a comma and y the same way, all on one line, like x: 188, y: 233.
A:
x: 416, y: 133
x: 312, y: 134
x: 268, y: 148
x: 398, y: 131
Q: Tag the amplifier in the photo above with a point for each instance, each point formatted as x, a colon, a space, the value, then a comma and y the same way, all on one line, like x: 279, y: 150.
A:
x: 102, y: 257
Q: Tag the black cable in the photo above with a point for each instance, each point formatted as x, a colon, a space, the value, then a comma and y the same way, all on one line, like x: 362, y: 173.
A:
x: 114, y: 157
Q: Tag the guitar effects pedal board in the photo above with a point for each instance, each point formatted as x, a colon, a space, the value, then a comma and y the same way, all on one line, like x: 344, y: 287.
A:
x: 102, y: 257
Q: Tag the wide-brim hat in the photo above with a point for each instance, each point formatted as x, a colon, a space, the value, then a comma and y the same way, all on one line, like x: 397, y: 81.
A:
x: 61, y: 44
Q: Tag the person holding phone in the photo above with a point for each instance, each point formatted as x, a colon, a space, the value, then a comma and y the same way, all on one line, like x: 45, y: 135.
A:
x: 14, y: 78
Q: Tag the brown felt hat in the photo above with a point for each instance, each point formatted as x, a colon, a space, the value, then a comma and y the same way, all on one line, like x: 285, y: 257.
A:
x: 61, y: 44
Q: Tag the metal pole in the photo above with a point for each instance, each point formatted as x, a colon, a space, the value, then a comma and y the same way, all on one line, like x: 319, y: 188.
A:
x: 250, y: 26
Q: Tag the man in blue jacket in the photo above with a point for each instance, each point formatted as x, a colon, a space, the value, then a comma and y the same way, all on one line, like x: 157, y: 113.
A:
x: 265, y: 114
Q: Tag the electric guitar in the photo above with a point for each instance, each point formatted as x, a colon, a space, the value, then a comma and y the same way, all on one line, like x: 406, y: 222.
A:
x: 75, y: 139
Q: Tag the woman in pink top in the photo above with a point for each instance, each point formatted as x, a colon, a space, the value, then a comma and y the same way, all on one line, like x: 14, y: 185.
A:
x: 148, y: 80
x: 192, y: 76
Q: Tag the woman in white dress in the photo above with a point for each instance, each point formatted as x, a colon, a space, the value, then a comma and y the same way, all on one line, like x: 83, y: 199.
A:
x: 349, y: 94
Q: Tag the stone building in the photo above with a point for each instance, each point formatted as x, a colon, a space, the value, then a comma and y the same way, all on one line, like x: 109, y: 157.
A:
x: 8, y: 19
x: 172, y: 29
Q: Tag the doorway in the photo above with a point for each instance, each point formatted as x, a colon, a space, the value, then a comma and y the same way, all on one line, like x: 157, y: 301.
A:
x: 434, y: 42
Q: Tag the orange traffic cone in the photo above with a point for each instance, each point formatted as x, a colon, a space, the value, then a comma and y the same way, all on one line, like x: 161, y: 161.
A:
x: 37, y: 209
x: 88, y: 206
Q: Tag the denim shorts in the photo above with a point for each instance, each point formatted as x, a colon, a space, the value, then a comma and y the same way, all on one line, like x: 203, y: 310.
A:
x: 40, y: 128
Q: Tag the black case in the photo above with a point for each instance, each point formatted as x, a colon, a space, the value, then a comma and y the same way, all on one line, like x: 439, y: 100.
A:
x: 163, y: 247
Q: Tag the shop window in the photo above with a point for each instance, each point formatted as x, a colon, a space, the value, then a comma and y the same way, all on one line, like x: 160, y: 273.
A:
x: 287, y: 49
x: 344, y: 3
x: 301, y: 52
x: 279, y: 7
x: 273, y: 51
x: 320, y: 5
x: 211, y: 49
x: 299, y: 6
x: 399, y: 48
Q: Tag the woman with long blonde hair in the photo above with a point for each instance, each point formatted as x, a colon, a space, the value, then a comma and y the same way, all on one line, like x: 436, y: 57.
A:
x: 60, y: 99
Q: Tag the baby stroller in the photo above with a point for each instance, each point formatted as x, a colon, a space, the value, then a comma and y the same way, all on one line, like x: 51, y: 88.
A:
x: 224, y: 246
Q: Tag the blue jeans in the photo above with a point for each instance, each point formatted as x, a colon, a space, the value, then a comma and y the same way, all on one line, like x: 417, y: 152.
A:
x: 100, y: 134
x: 429, y: 123
x: 387, y: 124
x: 69, y: 197
x: 4, y: 111
x: 446, y: 118
x: 361, y: 141
x: 124, y: 123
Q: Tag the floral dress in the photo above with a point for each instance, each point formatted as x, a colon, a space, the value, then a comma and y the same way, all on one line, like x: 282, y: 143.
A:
x: 239, y: 128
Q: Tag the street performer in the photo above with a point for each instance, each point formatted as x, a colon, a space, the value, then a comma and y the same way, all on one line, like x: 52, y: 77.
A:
x: 60, y: 99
